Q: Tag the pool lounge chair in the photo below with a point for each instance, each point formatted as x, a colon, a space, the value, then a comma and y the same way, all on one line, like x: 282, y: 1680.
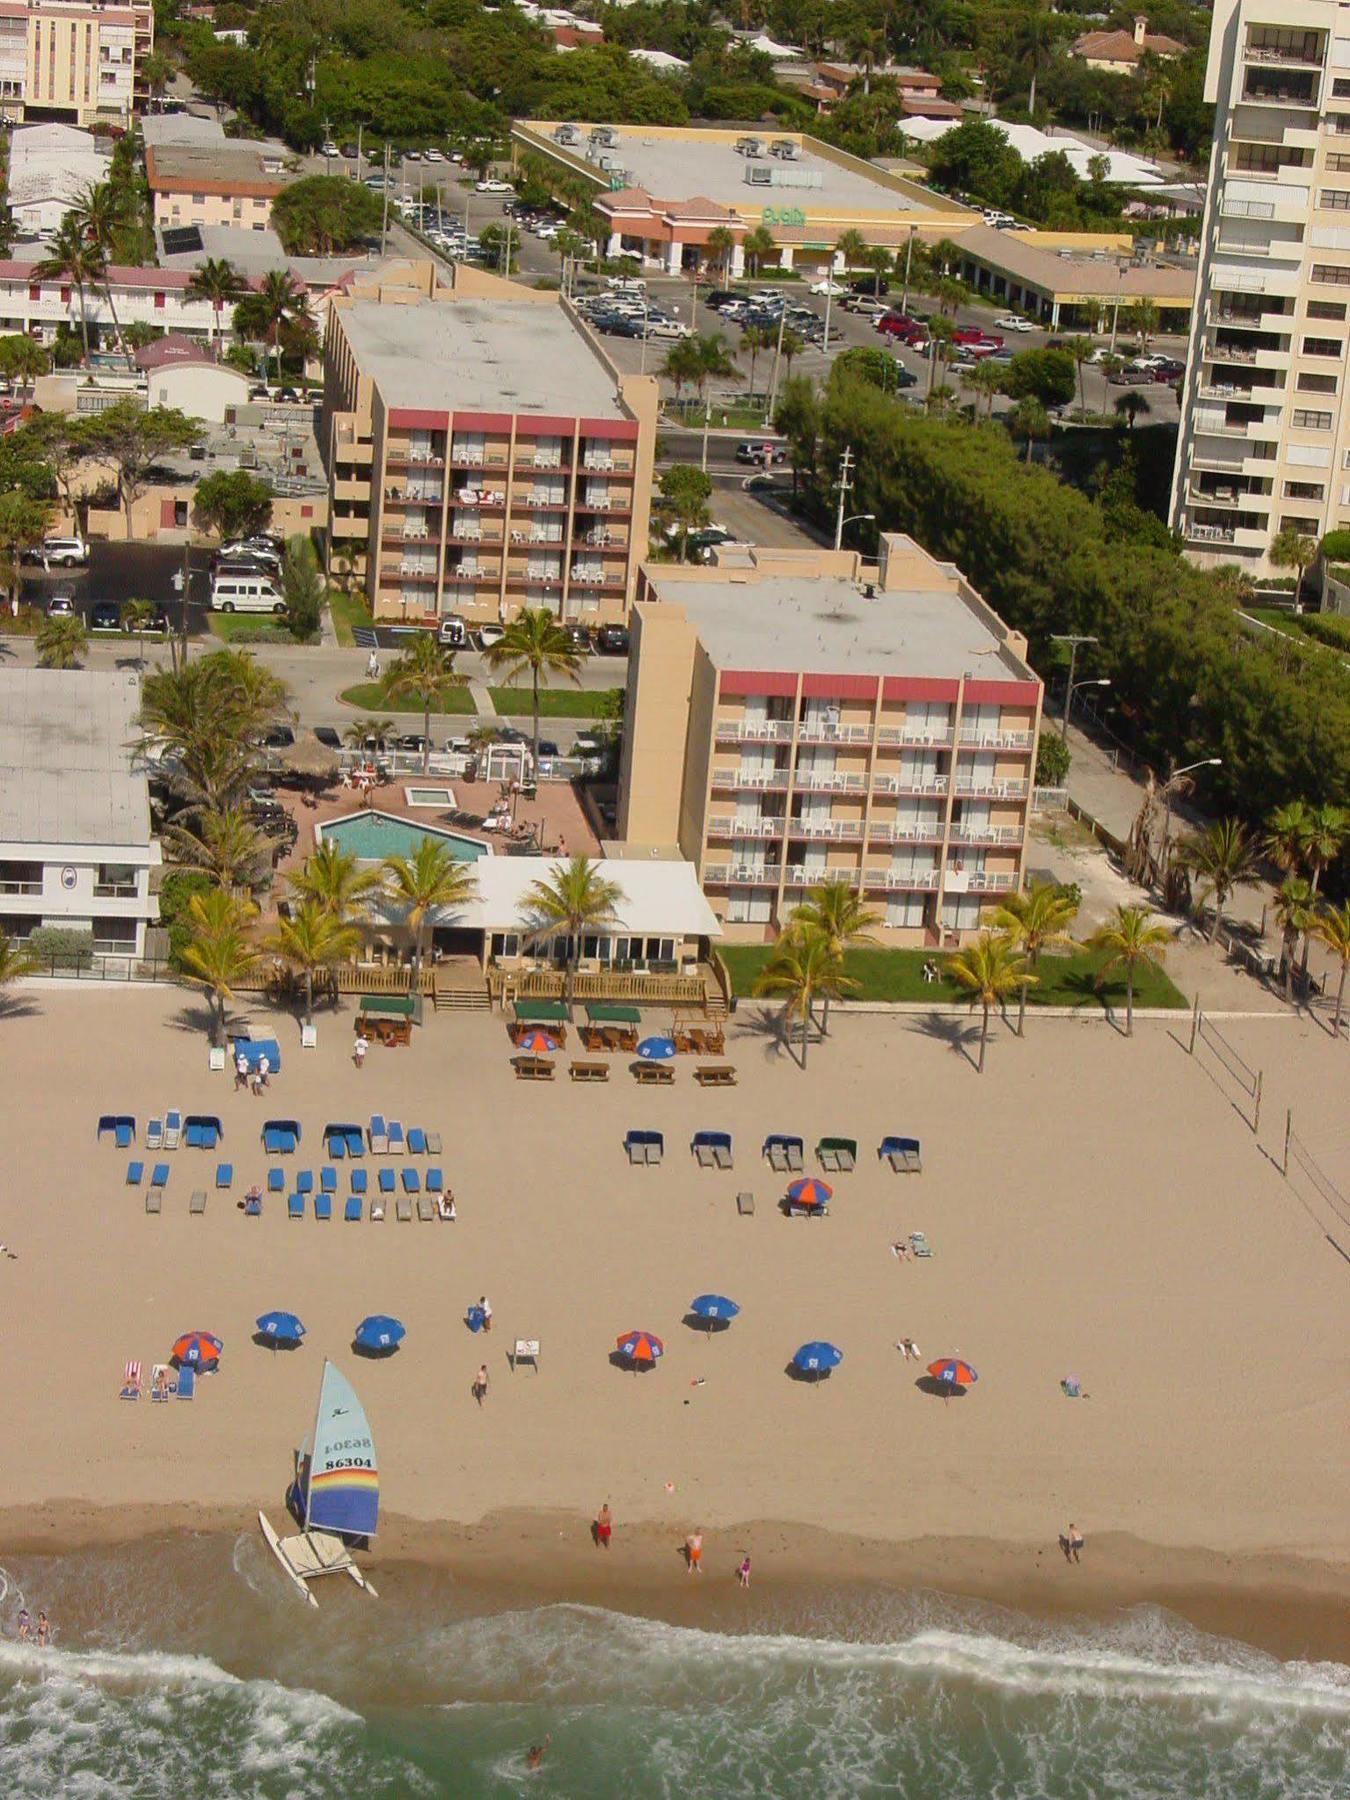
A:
x: 745, y: 1205
x: 131, y: 1382
x: 154, y: 1199
x: 644, y: 1147
x: 838, y: 1155
x: 187, y: 1382
x: 902, y: 1154
x: 323, y: 1206
x: 386, y: 1180
x: 426, y: 1208
x: 396, y: 1141
x: 173, y: 1130
x: 163, y: 1383
x: 295, y: 1206
x: 304, y: 1181
x: 919, y: 1245
x: 378, y: 1135
x: 352, y: 1210
x: 376, y: 1209
x: 336, y: 1145
x: 433, y: 1143
x: 435, y: 1181
x: 159, y: 1175
x: 224, y: 1175
x: 784, y: 1153
x: 328, y: 1180
x: 404, y: 1209
x: 712, y: 1149
x: 154, y: 1134
x: 197, y: 1204
x: 417, y: 1141
x: 124, y: 1133
x: 355, y: 1143
x: 412, y: 1181
x: 276, y: 1181
x: 359, y: 1179
x: 135, y: 1174
x: 252, y: 1206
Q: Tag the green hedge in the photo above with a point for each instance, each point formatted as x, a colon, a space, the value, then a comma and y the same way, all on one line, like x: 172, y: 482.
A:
x: 1327, y: 628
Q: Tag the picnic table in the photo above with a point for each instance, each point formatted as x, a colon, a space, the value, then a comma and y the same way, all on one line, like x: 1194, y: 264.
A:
x: 532, y: 1068
x: 653, y: 1074
x: 589, y: 1071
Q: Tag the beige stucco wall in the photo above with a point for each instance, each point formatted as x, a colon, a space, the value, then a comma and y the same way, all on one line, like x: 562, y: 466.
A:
x: 658, y: 711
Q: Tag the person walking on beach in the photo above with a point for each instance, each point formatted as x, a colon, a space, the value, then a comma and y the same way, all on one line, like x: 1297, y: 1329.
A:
x: 373, y: 666
x: 743, y: 1573
x: 240, y: 1072
x: 264, y: 1070
x: 359, y: 1049
x: 604, y: 1527
x: 25, y: 1625
x: 44, y: 1631
x: 1072, y: 1544
x: 693, y: 1552
x: 485, y: 1307
x: 480, y: 1384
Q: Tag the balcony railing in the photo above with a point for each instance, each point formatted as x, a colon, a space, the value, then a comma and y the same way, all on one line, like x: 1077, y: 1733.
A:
x: 754, y: 731
x: 842, y: 830
x: 891, y: 734
x: 25, y: 887
x: 906, y: 833
x: 811, y: 875
x: 985, y: 834
x: 756, y: 780
x: 816, y: 781
x: 910, y: 784
x: 994, y: 786
x: 893, y: 879
x: 721, y: 826
x: 978, y: 881
x: 821, y: 731
x: 740, y: 875
x: 973, y: 738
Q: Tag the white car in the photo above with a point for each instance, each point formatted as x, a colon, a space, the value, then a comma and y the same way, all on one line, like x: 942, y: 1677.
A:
x: 329, y: 148
x: 667, y: 328
x: 828, y: 287
x: 432, y: 155
x: 1011, y: 322
x: 492, y: 186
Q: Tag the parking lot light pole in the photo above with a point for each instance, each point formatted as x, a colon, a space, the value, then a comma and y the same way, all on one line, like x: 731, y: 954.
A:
x: 1073, y: 640
x: 1093, y: 681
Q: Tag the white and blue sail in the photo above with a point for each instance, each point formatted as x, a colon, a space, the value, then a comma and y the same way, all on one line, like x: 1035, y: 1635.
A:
x: 339, y: 1480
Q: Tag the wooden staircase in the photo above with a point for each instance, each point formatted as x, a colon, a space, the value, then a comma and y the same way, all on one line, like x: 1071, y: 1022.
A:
x: 459, y: 986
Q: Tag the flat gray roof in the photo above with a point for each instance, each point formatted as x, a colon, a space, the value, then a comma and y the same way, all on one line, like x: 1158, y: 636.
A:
x: 500, y: 355
x: 66, y: 740
x: 825, y: 625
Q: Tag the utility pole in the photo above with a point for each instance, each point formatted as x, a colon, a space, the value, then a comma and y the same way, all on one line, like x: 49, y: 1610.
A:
x: 707, y: 415
x: 909, y: 253
x: 845, y: 486
x: 384, y: 217
x: 1073, y: 640
x: 777, y: 357
x: 360, y: 131
x: 328, y: 138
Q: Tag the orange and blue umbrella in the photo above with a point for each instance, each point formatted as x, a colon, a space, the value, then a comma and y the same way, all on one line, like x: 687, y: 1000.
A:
x: 197, y: 1350
x: 641, y: 1347
x: 817, y: 1358
x: 536, y: 1042
x: 952, y: 1372
x: 656, y: 1049
x: 810, y: 1192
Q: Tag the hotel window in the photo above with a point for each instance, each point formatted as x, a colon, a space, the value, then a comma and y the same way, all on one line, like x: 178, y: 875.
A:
x: 1303, y: 420
x: 1309, y: 527
x: 199, y: 199
x: 1303, y: 490
x: 1322, y: 346
x: 115, y: 881
x: 1330, y: 275
x: 1334, y: 199
x: 1317, y: 384
x: 1340, y: 90
x: 115, y: 936
x: 1326, y: 309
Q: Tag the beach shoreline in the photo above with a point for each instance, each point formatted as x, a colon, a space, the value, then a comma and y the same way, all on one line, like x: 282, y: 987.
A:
x: 1295, y: 1608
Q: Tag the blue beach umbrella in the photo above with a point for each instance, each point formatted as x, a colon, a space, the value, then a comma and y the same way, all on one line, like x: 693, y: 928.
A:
x: 656, y: 1049
x: 713, y: 1306
x: 380, y: 1333
x: 281, y: 1327
x: 817, y: 1359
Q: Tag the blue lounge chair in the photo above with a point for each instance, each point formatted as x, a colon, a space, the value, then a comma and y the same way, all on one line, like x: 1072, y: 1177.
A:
x: 386, y: 1181
x: 412, y: 1181
x: 252, y: 1206
x: 135, y: 1174
x: 379, y: 1135
x: 644, y: 1147
x: 328, y: 1180
x: 396, y: 1144
x: 352, y: 1210
x: 712, y: 1149
x: 276, y: 1181
x: 304, y: 1182
x: 276, y: 1142
x: 417, y: 1141
x: 154, y: 1134
x: 187, y: 1382
x: 193, y: 1135
x: 159, y: 1175
x: 435, y: 1181
x: 323, y: 1206
x: 355, y: 1146
x: 359, y: 1180
x: 295, y: 1206
x: 173, y: 1129
x: 281, y: 1136
x: 122, y: 1127
x: 784, y: 1153
x: 202, y: 1131
x: 336, y: 1145
x: 903, y: 1154
x: 224, y: 1175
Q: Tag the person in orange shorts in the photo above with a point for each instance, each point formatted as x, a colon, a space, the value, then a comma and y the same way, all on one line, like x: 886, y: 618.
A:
x: 693, y: 1552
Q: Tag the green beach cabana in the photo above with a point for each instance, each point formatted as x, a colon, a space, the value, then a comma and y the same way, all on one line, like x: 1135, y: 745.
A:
x: 541, y: 1012
x: 604, y: 1012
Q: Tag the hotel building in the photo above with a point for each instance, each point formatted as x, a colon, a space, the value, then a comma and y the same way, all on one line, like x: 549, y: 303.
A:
x: 1265, y: 433
x: 73, y: 60
x: 483, y: 454
x: 800, y: 716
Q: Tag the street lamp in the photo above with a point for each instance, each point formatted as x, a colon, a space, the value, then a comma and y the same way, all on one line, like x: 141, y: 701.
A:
x: 1090, y: 681
x: 844, y: 523
x: 1206, y: 762
x: 1073, y: 639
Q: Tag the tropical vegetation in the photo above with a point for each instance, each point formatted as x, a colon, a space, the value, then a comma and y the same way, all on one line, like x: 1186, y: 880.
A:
x: 572, y: 901
x: 534, y: 646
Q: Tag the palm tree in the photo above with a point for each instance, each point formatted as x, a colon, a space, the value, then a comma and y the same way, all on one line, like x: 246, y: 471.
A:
x: 70, y: 257
x: 226, y: 845
x: 941, y: 333
x: 682, y: 365
x: 1287, y: 832
x: 1224, y: 857
x: 1293, y: 915
x: 220, y: 952
x: 428, y: 879
x: 364, y: 731
x: 758, y: 245
x: 790, y: 346
x: 804, y: 964
x: 311, y: 939
x: 1034, y: 921
x: 217, y: 280
x: 572, y: 900
x: 1327, y: 829
x: 1080, y: 349
x: 426, y: 673
x: 1029, y: 420
x: 881, y: 262
x: 1130, y: 943
x: 985, y: 379
x: 714, y: 358
x: 718, y: 250
x: 989, y: 968
x: 277, y: 299
x: 61, y: 643
x: 136, y: 615
x: 534, y: 644
x: 1131, y: 406
x: 834, y: 909
x: 208, y: 719
x: 851, y: 246
x: 17, y: 961
x: 1291, y: 549
x: 754, y: 339
x: 1332, y: 928
x: 337, y: 880
x: 99, y: 214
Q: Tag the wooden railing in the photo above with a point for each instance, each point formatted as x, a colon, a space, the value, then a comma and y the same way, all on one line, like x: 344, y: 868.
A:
x: 639, y: 986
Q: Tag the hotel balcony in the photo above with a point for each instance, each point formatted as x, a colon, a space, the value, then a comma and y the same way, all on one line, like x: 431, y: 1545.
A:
x: 906, y: 832
x: 598, y: 578
x: 910, y: 784
x: 722, y: 826
x: 995, y: 787
x: 985, y: 834
x: 839, y: 830
x: 812, y: 781
x: 466, y: 534
x: 741, y: 875
x: 1266, y: 52
x: 402, y: 457
x: 973, y: 738
x: 484, y: 500
x: 820, y: 731
x: 525, y: 458
x: 754, y: 731
x: 811, y: 875
x: 893, y: 881
x: 890, y: 735
x: 409, y: 572
x: 773, y: 781
x: 978, y: 881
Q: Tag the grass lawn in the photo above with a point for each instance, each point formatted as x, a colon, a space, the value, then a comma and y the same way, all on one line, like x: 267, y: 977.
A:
x: 891, y: 975
x: 247, y: 628
x: 727, y: 415
x: 554, y: 703
x: 370, y: 697
x: 346, y: 611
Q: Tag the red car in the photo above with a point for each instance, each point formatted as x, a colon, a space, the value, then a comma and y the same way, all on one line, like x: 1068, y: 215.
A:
x: 972, y: 334
x: 898, y: 325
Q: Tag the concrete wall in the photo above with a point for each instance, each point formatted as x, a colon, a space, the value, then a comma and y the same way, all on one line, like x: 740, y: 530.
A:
x: 657, y: 711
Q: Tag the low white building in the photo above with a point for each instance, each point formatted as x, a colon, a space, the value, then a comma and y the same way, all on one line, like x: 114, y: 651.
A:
x: 76, y: 849
x: 1030, y: 142
x: 49, y: 166
x: 185, y: 375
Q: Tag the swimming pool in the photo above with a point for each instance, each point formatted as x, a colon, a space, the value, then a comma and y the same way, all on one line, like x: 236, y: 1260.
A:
x: 373, y: 835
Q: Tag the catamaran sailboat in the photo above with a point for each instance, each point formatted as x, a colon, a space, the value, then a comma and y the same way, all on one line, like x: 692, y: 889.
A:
x: 336, y: 1494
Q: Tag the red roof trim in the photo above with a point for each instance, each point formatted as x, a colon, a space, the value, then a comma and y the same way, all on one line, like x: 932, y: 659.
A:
x: 622, y: 431
x: 918, y: 687
x: 1008, y: 693
x: 737, y: 683
x: 542, y: 425
x: 418, y: 420
x: 483, y: 421
x: 839, y: 687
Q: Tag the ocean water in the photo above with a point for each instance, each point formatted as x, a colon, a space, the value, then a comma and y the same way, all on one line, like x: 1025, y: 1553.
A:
x: 189, y: 1669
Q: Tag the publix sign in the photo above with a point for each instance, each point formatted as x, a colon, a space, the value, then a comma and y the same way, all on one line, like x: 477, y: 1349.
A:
x: 783, y: 215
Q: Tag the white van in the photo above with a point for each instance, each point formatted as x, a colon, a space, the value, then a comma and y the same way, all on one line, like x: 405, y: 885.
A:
x: 245, y: 590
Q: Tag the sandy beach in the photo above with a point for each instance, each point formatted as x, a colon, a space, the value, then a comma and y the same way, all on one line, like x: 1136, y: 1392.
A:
x: 1096, y: 1207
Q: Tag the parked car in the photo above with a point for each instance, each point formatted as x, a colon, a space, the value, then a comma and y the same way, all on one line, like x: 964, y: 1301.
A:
x: 328, y: 736
x: 827, y: 286
x: 61, y: 606
x: 452, y: 633
x: 974, y: 335
x: 278, y: 737
x: 105, y: 615
x: 1128, y: 377
x: 578, y: 638
x: 869, y: 286
x: 759, y: 452
x: 904, y: 378
x: 547, y: 747
x: 1168, y: 370
x: 488, y: 635
x: 901, y: 325
x: 329, y: 148
x: 492, y: 186
x: 1012, y: 322
x: 414, y: 742
x: 612, y: 640
x: 60, y: 553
